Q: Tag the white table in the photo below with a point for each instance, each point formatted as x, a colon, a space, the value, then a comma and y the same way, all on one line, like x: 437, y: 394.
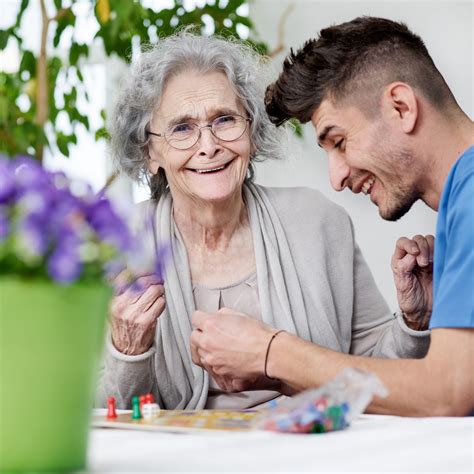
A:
x: 373, y: 443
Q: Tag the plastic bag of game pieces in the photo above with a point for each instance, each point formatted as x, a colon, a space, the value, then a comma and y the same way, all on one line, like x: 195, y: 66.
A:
x: 329, y: 408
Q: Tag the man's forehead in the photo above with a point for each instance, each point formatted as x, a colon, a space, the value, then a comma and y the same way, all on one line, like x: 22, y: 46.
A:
x: 325, y: 111
x: 341, y: 117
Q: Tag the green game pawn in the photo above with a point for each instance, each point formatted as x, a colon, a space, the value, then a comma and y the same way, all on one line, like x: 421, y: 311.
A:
x: 136, y: 414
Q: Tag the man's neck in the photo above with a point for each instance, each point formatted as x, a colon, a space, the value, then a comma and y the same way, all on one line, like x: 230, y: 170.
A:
x: 445, y: 143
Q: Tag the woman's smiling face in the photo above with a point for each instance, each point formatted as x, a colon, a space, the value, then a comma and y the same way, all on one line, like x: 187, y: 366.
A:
x: 212, y: 170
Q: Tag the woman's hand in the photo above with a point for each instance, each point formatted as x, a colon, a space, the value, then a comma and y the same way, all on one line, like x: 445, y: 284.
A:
x: 412, y: 266
x: 134, y: 314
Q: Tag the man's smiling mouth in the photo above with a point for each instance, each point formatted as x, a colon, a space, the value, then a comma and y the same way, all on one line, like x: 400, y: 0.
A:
x: 367, y: 186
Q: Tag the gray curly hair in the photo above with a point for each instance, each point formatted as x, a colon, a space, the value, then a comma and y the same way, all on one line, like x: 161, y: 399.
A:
x: 145, y: 83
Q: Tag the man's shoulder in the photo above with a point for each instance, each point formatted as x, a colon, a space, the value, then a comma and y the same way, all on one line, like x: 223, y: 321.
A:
x: 464, y: 166
x: 460, y: 181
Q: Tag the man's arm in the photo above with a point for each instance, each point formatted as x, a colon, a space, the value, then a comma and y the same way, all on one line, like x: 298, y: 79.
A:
x: 441, y: 384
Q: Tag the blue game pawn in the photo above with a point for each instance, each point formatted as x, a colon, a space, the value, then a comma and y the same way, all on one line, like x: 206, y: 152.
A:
x: 136, y: 414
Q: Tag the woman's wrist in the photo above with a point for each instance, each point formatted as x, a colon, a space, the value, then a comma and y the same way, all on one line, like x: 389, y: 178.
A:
x: 418, y: 321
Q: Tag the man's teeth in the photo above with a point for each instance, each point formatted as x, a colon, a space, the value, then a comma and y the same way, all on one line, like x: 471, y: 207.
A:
x: 213, y: 169
x: 367, y: 185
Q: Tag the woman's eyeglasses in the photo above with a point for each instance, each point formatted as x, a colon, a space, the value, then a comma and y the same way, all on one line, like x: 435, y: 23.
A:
x: 182, y: 136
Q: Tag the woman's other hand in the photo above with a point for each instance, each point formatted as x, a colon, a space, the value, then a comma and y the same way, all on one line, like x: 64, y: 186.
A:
x: 134, y: 314
x: 412, y: 266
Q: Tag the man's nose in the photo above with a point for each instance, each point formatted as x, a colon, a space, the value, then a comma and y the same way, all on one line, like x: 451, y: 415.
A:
x: 339, y: 172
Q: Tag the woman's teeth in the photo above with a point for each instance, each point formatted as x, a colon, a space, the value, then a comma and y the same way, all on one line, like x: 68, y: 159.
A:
x: 367, y: 185
x: 211, y: 170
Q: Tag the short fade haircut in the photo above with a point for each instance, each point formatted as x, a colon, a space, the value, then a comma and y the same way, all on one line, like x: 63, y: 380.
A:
x: 351, y: 63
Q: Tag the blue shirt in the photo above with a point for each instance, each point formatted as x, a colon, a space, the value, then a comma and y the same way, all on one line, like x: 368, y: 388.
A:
x: 453, y: 278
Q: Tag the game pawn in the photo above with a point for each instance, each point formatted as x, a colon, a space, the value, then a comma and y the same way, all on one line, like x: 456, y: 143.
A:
x: 150, y: 409
x: 111, y: 413
x: 136, y: 414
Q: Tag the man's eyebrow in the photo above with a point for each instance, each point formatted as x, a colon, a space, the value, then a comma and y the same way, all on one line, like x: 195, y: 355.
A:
x: 322, y: 136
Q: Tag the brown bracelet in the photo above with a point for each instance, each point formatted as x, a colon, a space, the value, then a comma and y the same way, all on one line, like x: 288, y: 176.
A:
x: 268, y: 351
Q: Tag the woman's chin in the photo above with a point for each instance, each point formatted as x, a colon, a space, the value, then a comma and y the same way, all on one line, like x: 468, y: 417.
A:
x: 215, y: 196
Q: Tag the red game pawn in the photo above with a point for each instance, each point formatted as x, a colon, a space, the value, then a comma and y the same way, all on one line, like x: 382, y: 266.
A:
x: 111, y: 413
x: 142, y: 401
x: 149, y: 398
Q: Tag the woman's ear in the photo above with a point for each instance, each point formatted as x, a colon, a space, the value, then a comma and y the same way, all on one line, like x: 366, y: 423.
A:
x: 401, y: 104
x: 153, y: 164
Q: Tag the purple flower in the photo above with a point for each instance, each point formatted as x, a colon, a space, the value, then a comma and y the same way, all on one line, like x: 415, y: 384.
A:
x: 7, y: 182
x: 29, y: 174
x: 108, y: 225
x: 33, y: 235
x: 68, y: 212
x: 4, y: 224
x: 64, y: 265
x: 38, y: 202
x: 63, y: 226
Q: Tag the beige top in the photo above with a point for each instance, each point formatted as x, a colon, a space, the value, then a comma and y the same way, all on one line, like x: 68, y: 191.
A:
x: 240, y: 296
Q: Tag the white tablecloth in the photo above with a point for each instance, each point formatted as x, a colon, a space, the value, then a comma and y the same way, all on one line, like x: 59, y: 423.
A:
x: 373, y: 443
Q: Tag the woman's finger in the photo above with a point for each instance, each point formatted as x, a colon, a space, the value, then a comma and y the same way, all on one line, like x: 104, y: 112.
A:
x: 424, y: 250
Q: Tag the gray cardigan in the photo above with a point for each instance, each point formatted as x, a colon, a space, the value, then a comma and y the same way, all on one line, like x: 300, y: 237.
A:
x: 313, y: 281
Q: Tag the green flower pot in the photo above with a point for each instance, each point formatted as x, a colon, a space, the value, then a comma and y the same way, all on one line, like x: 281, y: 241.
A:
x: 50, y: 346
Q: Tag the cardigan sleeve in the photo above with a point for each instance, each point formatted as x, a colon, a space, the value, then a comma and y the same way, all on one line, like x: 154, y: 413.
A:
x: 124, y: 376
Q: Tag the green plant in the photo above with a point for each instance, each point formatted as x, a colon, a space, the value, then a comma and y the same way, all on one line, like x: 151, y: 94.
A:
x: 30, y: 98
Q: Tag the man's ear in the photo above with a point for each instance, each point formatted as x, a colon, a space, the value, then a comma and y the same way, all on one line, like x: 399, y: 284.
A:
x: 401, y: 103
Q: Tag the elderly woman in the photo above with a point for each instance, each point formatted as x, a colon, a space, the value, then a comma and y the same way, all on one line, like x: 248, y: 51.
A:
x: 192, y: 118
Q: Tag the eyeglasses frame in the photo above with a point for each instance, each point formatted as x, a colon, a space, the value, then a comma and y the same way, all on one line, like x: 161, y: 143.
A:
x: 200, y: 127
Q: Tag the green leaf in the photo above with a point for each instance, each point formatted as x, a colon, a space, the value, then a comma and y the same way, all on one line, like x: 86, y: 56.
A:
x: 62, y: 143
x: 243, y: 20
x: 102, y: 133
x: 4, y: 37
x: 232, y: 5
x: 3, y: 109
x: 68, y: 19
x: 77, y: 117
x: 76, y: 51
x: 22, y: 9
x: 296, y: 126
x: 28, y: 63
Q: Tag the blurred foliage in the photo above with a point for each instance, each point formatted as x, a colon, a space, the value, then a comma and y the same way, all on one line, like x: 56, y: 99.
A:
x: 30, y: 101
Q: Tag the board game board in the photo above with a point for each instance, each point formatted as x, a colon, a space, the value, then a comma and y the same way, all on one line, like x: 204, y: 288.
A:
x: 183, y: 421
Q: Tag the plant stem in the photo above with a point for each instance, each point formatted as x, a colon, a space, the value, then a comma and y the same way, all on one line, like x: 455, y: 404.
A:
x: 42, y: 75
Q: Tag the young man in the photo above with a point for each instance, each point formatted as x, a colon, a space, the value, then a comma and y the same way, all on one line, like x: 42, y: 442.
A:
x: 393, y: 130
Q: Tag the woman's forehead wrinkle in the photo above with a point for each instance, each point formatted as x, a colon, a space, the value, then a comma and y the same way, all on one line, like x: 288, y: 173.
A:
x: 202, y: 108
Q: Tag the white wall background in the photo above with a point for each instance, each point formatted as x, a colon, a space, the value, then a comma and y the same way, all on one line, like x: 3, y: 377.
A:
x: 447, y: 29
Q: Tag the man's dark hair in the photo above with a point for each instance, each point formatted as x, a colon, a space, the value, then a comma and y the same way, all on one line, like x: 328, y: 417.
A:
x: 352, y: 62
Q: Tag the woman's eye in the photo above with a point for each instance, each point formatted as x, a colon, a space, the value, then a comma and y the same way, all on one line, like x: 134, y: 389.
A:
x: 339, y: 143
x: 181, y: 128
x: 225, y: 120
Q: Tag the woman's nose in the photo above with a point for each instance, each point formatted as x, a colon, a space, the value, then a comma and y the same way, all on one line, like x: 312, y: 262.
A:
x: 208, y: 144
